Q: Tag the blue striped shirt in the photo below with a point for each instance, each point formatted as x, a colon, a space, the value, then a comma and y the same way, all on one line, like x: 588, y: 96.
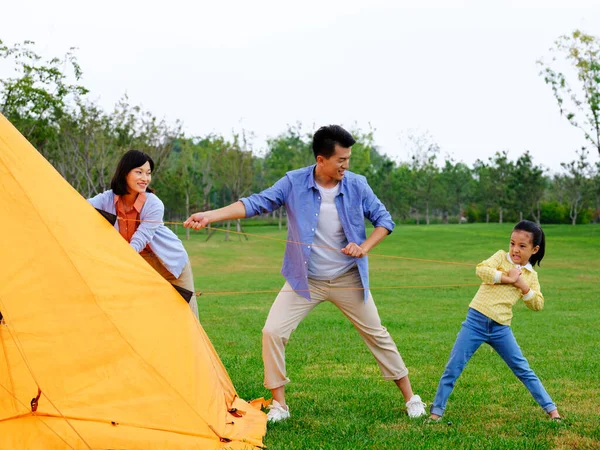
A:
x: 298, y: 191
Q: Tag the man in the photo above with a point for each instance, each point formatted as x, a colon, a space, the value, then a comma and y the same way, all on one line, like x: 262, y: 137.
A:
x: 326, y: 206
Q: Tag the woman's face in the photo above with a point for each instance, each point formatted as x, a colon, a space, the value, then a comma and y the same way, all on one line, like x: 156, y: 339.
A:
x: 139, y: 178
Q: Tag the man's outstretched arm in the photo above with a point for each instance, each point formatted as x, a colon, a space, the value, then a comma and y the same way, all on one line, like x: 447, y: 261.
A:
x: 199, y: 220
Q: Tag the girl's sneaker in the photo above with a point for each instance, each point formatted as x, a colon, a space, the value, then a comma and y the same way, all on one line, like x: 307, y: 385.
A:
x: 415, y: 407
x: 277, y: 412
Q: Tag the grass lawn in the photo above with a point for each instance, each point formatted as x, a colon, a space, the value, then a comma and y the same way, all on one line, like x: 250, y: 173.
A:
x: 337, y: 397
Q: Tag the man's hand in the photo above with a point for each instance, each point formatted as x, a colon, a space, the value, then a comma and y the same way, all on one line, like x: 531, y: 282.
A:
x: 197, y: 221
x: 354, y: 250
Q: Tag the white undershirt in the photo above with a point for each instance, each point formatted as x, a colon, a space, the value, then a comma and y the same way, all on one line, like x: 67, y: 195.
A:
x: 325, y: 264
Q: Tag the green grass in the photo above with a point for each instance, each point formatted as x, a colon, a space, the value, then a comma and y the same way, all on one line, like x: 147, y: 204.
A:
x: 337, y: 397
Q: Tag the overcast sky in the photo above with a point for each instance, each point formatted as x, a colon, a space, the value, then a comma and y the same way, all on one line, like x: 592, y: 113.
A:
x: 463, y: 72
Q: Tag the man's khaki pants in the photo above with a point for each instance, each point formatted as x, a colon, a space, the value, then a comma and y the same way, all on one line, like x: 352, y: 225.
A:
x: 346, y: 293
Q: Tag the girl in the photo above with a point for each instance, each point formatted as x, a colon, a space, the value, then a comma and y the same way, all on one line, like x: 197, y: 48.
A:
x: 507, y: 277
x: 140, y: 220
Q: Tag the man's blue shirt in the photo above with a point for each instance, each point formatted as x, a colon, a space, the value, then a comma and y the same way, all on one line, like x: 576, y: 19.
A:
x: 298, y: 191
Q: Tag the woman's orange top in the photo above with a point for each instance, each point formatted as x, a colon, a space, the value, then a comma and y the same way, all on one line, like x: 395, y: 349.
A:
x: 129, y: 221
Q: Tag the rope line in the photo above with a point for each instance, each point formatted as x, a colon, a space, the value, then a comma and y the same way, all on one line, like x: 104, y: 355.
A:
x: 287, y: 241
x: 310, y: 245
x: 381, y: 288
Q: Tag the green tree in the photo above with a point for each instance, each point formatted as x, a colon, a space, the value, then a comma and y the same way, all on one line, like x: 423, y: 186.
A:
x: 576, y: 183
x: 528, y: 184
x: 425, y: 179
x: 423, y: 153
x: 86, y: 149
x: 391, y: 183
x: 362, y: 150
x: 182, y: 176
x: 40, y: 94
x: 578, y: 100
x: 233, y: 171
x: 454, y: 181
x: 596, y: 191
x: 501, y: 174
x: 141, y: 130
x: 484, y: 187
x: 288, y: 151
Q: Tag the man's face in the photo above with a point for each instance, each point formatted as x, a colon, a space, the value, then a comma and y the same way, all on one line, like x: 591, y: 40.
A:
x: 336, y: 165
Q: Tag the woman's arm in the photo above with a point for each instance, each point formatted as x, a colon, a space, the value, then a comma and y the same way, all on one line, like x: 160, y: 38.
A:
x: 103, y: 201
x: 151, y: 218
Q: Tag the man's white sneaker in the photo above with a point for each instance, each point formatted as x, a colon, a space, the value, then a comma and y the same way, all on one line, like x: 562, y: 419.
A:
x: 415, y: 407
x: 277, y: 412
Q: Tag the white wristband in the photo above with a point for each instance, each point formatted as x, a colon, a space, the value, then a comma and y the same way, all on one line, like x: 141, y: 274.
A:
x: 497, y: 277
x: 529, y: 295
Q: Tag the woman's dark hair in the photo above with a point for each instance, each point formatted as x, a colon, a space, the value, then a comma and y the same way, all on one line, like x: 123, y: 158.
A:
x: 129, y: 161
x: 538, y: 239
x: 325, y: 138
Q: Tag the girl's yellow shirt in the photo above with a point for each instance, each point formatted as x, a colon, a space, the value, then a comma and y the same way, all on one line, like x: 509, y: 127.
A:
x: 496, y: 300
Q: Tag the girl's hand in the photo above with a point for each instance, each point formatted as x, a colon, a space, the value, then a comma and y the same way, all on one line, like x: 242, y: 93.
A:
x: 513, y: 275
x: 521, y: 284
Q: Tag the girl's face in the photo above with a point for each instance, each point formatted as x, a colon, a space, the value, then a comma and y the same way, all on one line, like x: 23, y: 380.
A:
x: 521, y: 247
x: 139, y: 178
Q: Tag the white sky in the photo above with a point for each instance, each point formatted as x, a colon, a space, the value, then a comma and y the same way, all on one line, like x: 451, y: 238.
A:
x: 464, y: 71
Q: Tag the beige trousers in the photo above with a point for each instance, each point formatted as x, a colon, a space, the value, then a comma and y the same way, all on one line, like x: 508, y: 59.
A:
x: 185, y: 280
x: 290, y: 308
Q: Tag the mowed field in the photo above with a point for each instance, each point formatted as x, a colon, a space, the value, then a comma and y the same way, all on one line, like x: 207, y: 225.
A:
x: 337, y: 397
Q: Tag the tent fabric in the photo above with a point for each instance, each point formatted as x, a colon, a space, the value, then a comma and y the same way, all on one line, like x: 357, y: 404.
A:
x: 120, y: 361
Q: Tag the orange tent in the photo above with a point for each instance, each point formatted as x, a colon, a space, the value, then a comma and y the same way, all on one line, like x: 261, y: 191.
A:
x: 119, y: 360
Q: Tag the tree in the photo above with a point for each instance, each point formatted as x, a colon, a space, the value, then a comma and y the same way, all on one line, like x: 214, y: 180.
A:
x: 288, y: 151
x: 233, y: 169
x: 596, y: 190
x: 182, y: 174
x: 423, y: 152
x: 362, y: 150
x: 140, y: 129
x: 576, y: 183
x: 484, y: 187
x: 86, y: 149
x: 501, y: 173
x: 40, y: 95
x: 580, y: 104
x: 528, y: 184
x: 391, y: 183
x: 454, y: 181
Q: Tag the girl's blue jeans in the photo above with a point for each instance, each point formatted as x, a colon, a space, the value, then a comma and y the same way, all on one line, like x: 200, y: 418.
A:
x: 476, y: 330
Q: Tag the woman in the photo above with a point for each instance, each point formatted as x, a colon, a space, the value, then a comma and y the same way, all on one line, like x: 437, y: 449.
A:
x: 140, y: 221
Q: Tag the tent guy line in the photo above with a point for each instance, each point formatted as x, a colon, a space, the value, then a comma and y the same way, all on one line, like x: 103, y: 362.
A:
x: 312, y: 245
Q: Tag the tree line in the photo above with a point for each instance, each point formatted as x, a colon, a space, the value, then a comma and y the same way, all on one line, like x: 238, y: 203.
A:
x: 47, y: 102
